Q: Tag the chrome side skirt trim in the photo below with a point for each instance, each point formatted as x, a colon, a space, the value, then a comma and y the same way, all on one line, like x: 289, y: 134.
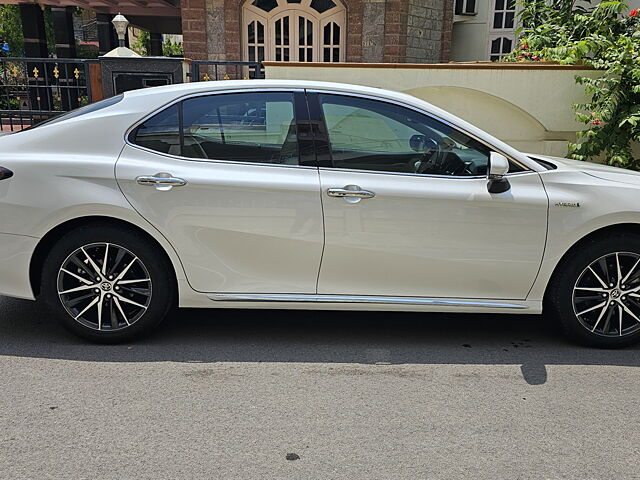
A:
x: 309, y: 298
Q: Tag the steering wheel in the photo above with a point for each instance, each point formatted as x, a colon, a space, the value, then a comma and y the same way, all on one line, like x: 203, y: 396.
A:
x: 442, y: 160
x: 431, y: 154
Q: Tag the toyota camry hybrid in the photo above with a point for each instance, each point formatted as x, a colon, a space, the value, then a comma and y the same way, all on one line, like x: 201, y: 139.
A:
x: 307, y: 195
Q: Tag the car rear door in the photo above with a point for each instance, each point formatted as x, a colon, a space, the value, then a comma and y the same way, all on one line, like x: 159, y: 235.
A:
x: 226, y: 180
x: 407, y: 211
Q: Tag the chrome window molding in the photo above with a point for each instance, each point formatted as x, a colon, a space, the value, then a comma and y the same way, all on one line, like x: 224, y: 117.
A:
x: 223, y: 162
x: 423, y: 175
x: 364, y: 299
x: 430, y: 115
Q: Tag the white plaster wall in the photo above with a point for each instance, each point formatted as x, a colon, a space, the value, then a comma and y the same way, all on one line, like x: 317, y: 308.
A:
x: 529, y: 108
x: 469, y: 41
x: 470, y: 35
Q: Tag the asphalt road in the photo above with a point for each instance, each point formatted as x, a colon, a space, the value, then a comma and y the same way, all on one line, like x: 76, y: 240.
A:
x: 229, y: 394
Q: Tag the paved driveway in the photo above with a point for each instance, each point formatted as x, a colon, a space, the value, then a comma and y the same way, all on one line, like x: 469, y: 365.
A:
x: 229, y: 394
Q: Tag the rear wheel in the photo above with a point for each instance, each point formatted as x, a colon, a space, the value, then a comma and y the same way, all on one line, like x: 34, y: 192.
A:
x: 107, y: 284
x: 596, y: 292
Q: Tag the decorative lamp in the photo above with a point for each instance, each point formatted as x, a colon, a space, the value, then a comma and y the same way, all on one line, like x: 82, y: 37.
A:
x: 120, y: 23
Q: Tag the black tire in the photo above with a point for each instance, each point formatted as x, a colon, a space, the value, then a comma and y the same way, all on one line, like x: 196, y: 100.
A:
x: 601, y: 254
x: 122, y: 316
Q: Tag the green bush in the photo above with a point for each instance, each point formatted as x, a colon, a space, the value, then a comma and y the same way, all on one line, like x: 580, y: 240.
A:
x: 607, y: 38
x: 142, y: 46
x: 170, y: 49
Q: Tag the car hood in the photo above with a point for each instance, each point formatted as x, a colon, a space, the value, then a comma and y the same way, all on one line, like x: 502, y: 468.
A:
x: 604, y: 172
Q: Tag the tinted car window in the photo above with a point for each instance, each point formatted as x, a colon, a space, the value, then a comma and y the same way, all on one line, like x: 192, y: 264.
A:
x: 243, y: 127
x: 373, y: 135
x: 161, y: 132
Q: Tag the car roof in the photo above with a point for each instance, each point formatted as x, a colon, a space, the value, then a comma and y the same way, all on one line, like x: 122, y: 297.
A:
x: 181, y: 89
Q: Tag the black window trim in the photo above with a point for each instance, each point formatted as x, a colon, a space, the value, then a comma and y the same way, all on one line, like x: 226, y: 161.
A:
x: 314, y: 101
x: 300, y: 123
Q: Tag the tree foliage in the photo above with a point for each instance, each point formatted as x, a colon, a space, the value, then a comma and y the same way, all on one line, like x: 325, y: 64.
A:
x: 172, y: 49
x: 142, y: 46
x: 11, y: 29
x: 49, y: 32
x: 607, y: 38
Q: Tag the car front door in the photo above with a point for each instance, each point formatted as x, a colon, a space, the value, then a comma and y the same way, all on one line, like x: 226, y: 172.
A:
x: 407, y: 211
x: 222, y: 177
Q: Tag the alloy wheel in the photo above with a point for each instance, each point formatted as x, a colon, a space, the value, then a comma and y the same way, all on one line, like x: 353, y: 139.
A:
x: 104, y: 286
x: 606, y: 297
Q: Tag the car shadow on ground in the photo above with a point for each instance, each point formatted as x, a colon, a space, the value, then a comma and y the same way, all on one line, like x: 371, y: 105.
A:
x: 209, y: 336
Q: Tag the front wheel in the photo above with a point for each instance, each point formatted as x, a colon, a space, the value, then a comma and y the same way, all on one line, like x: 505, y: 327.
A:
x: 107, y: 284
x: 596, y: 292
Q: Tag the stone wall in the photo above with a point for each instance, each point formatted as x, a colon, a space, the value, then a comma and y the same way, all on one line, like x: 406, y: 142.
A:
x: 447, y: 30
x: 424, y: 31
x: 373, y: 12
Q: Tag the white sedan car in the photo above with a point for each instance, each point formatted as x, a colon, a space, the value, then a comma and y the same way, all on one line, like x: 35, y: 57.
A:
x: 307, y: 195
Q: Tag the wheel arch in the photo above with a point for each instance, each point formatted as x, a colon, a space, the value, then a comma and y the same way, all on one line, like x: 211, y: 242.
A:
x: 602, y: 231
x: 56, y: 233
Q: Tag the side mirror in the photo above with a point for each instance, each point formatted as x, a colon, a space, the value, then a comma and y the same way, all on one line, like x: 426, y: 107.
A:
x: 498, y: 168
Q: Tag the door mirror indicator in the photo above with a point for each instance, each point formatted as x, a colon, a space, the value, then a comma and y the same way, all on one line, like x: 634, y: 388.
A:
x: 498, y: 168
x: 5, y: 173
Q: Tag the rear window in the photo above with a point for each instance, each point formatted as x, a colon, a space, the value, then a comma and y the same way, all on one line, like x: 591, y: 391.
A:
x: 161, y: 132
x: 257, y: 127
x: 93, y: 107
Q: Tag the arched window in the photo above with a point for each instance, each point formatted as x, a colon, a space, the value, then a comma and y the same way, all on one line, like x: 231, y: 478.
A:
x: 293, y: 30
x: 501, y: 28
x: 499, y: 47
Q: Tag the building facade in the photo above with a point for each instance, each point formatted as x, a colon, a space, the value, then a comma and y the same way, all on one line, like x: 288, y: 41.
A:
x: 393, y: 31
x: 324, y: 31
x: 485, y: 30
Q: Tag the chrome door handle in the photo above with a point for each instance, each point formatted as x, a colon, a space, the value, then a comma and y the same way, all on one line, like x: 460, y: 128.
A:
x: 162, y: 181
x: 350, y: 191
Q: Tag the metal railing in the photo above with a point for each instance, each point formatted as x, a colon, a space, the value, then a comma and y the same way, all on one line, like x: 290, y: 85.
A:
x: 36, y: 89
x: 206, y: 70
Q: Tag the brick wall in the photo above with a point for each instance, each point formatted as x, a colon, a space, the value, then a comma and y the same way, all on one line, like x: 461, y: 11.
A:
x: 395, y: 31
x: 232, y: 32
x: 194, y: 33
x: 355, y: 29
